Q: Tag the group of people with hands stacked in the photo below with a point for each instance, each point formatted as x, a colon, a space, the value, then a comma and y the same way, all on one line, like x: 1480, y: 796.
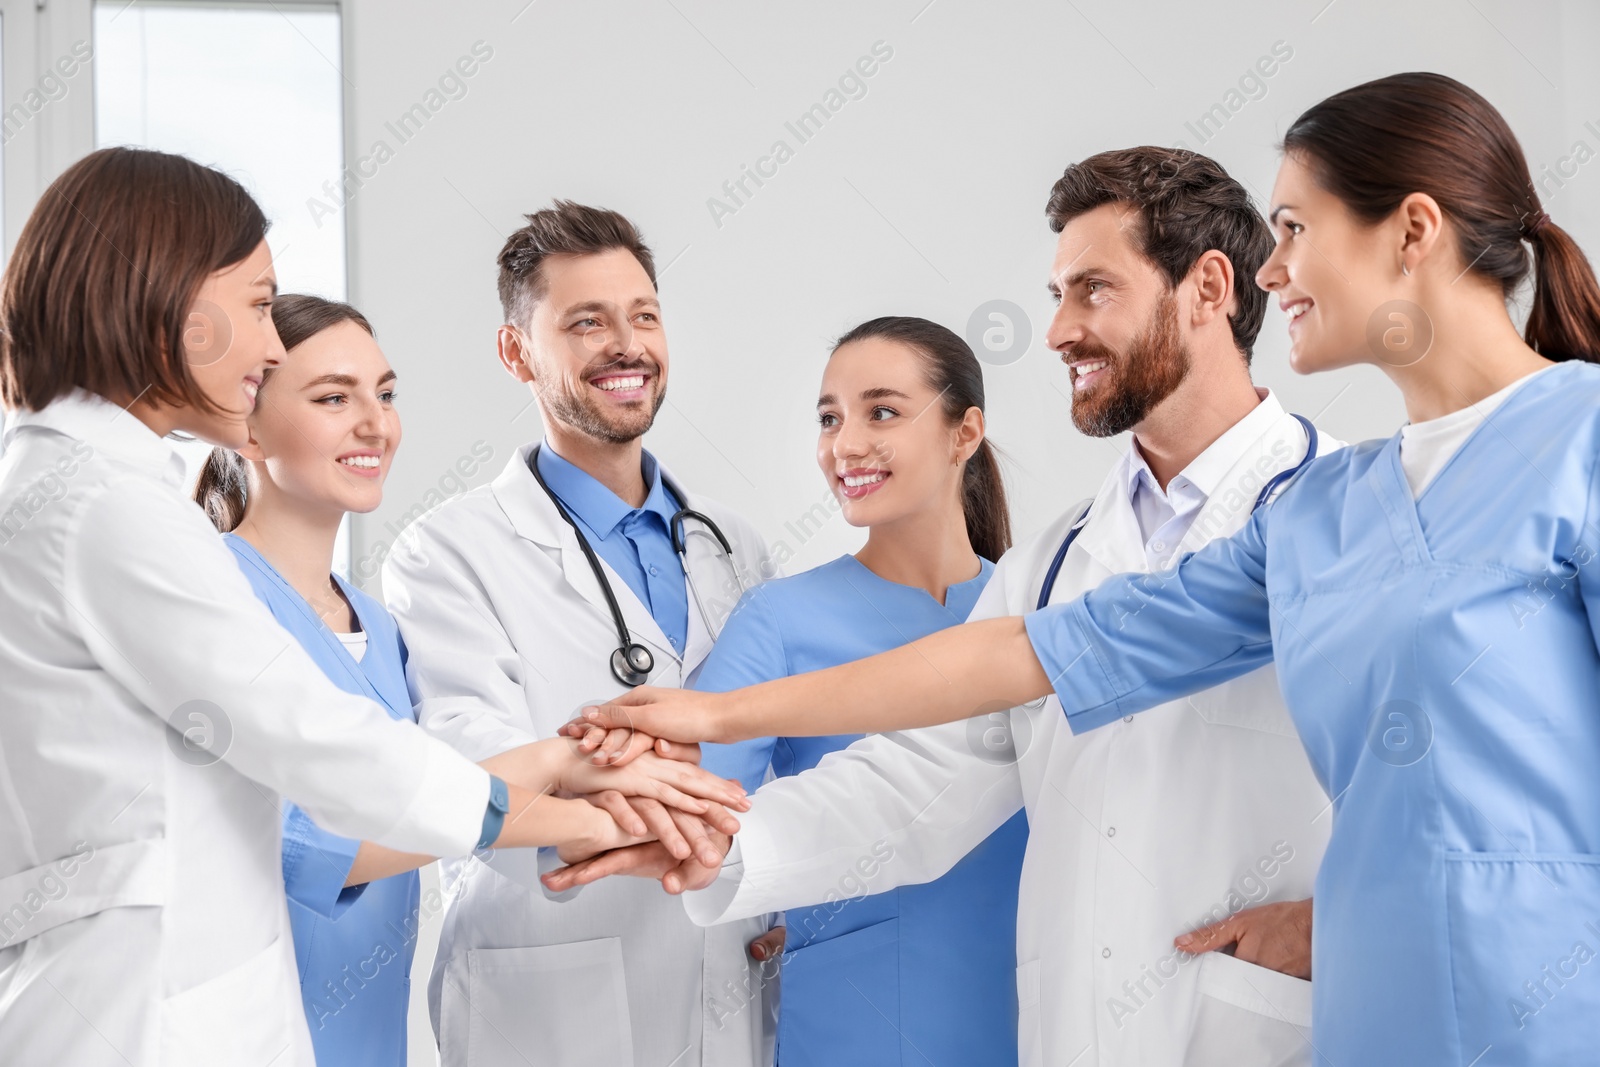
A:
x: 1276, y: 751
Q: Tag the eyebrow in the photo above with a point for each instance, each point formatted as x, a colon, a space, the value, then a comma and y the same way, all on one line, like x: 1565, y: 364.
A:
x: 1077, y: 276
x: 881, y: 392
x: 601, y: 305
x: 346, y: 380
x: 1272, y: 219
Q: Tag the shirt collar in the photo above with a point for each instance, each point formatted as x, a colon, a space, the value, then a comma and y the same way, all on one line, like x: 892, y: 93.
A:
x: 592, y: 503
x: 108, y: 428
x: 1205, y: 472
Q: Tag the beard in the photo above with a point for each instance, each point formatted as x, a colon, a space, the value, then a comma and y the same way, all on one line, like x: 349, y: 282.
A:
x: 1155, y: 364
x: 583, y: 412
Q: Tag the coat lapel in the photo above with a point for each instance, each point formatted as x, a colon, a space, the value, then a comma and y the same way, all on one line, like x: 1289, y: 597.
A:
x: 533, y: 515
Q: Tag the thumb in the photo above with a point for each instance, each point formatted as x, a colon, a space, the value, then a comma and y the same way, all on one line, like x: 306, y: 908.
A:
x: 768, y: 945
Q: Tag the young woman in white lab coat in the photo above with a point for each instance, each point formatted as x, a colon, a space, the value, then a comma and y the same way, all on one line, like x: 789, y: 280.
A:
x: 151, y: 709
x: 321, y: 442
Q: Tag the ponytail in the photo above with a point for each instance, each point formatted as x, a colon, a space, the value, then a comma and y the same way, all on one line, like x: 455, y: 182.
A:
x: 222, y: 488
x: 955, y: 373
x: 1564, y: 322
x: 983, y: 499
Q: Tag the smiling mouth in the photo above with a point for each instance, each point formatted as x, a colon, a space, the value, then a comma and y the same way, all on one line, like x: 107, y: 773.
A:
x: 1084, y: 373
x: 856, y: 486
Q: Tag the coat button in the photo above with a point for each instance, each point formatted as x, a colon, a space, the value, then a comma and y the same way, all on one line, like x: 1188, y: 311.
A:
x: 1106, y: 953
x: 1128, y: 719
x: 1111, y: 831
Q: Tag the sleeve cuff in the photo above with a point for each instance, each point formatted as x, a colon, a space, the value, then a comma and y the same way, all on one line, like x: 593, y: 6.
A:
x: 316, y: 865
x: 448, y: 806
x: 1059, y: 635
x: 708, y: 906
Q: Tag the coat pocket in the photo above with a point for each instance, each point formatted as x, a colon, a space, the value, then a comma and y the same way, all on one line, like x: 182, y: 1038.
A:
x: 1244, y: 1013
x: 1252, y: 701
x: 841, y: 1000
x: 1524, y: 941
x: 250, y: 1014
x: 555, y: 1005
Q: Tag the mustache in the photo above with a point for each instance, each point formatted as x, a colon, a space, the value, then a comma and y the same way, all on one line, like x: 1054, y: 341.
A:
x: 1091, y: 350
x: 647, y: 365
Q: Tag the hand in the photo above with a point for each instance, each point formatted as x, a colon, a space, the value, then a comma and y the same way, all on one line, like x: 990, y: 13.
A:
x: 676, y: 783
x: 769, y: 945
x: 651, y: 860
x: 613, y: 824
x: 1276, y: 936
x: 672, y: 714
x: 619, y: 746
x: 681, y: 833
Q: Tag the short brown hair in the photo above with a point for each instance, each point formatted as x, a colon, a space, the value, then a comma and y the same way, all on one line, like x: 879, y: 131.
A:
x: 105, y: 273
x: 566, y: 228
x: 1188, y: 205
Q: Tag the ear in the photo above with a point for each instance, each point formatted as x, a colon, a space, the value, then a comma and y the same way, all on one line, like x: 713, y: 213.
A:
x: 1212, y: 276
x: 513, y: 356
x: 969, y: 434
x: 1419, y: 222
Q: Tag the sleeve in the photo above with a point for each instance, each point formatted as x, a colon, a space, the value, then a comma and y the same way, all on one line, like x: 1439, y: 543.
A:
x: 466, y: 677
x: 1138, y: 640
x: 165, y: 611
x: 892, y: 809
x: 748, y: 651
x: 316, y: 864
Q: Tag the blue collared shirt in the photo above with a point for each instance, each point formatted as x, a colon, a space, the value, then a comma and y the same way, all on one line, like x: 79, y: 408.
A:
x: 636, y: 542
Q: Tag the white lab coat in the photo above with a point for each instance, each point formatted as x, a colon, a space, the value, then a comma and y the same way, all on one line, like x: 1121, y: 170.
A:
x: 1137, y: 832
x: 509, y: 636
x: 142, y: 912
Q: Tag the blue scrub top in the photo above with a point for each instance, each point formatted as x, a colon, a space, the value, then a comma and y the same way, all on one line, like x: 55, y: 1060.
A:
x: 636, y: 542
x: 915, y: 972
x: 353, y: 945
x: 1439, y: 658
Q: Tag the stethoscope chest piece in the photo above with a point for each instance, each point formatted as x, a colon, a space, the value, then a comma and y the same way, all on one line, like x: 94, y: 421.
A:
x: 632, y: 663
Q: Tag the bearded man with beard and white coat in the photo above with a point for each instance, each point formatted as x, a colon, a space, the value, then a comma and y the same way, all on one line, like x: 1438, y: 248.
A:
x: 1197, y: 826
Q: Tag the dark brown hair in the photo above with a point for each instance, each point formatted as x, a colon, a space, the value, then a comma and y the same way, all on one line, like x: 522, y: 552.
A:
x: 224, y: 483
x: 955, y: 373
x: 1375, y: 144
x: 1188, y: 205
x: 105, y: 274
x: 566, y: 228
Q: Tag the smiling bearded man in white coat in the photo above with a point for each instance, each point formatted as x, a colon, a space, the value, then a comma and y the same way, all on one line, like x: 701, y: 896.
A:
x: 510, y: 630
x: 1203, y: 815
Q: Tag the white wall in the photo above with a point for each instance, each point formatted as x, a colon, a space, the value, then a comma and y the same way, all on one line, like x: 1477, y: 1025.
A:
x: 924, y: 197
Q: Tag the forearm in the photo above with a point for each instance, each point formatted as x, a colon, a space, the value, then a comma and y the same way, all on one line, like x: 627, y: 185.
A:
x: 952, y: 674
x: 373, y: 862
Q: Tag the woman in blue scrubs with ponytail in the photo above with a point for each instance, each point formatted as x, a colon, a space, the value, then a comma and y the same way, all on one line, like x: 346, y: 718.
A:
x: 925, y: 970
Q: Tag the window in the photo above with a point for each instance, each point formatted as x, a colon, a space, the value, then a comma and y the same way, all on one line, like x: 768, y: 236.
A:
x: 255, y: 90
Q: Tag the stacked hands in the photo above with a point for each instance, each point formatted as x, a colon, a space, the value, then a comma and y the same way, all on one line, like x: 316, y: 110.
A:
x: 627, y: 746
x: 645, y: 743
x: 643, y: 794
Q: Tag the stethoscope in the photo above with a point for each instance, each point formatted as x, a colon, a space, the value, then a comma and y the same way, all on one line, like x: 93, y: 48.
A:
x: 632, y: 663
x: 1273, y: 484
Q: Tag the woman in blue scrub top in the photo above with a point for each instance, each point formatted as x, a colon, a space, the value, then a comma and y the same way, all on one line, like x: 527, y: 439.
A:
x: 1431, y: 601
x: 321, y: 441
x: 927, y: 969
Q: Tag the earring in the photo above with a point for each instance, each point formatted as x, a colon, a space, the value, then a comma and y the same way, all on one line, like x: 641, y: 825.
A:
x: 1405, y: 271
